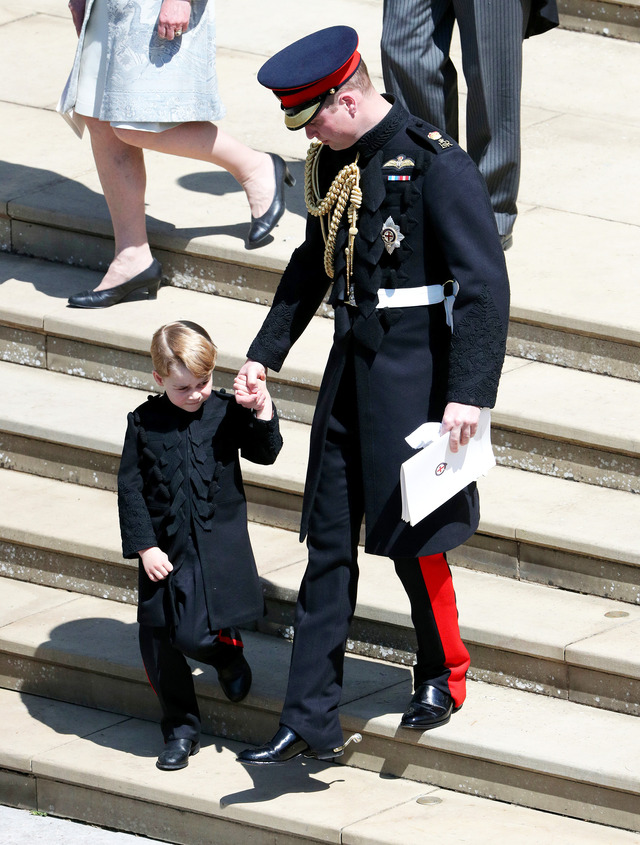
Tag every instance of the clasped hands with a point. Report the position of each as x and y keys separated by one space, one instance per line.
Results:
x=461 y=421
x=250 y=387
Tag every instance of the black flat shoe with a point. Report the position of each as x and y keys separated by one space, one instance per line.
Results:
x=176 y=754
x=149 y=279
x=429 y=708
x=262 y=226
x=284 y=746
x=235 y=680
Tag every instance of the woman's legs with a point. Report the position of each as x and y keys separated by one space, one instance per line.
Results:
x=123 y=178
x=206 y=142
x=119 y=159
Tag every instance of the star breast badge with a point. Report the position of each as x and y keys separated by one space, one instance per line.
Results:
x=391 y=235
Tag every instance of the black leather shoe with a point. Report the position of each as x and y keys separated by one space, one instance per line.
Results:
x=149 y=279
x=235 y=680
x=429 y=708
x=262 y=226
x=285 y=745
x=176 y=754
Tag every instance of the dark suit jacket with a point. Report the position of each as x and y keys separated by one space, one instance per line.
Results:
x=543 y=17
x=180 y=488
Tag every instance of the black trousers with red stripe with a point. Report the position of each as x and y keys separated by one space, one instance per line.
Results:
x=164 y=651
x=170 y=675
x=327 y=597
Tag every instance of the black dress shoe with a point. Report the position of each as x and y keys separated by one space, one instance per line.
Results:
x=176 y=754
x=429 y=708
x=262 y=226
x=149 y=279
x=285 y=745
x=235 y=680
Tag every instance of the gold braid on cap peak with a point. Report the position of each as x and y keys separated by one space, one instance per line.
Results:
x=344 y=188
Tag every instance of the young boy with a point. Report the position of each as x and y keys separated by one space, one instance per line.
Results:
x=183 y=514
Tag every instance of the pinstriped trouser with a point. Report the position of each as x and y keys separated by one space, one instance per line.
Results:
x=416 y=38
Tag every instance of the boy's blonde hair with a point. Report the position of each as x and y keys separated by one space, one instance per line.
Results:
x=186 y=343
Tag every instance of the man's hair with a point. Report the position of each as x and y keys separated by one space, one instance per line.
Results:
x=359 y=81
x=186 y=343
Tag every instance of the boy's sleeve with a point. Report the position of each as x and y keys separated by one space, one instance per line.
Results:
x=136 y=529
x=261 y=440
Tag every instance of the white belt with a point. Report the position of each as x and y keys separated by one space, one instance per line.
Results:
x=424 y=295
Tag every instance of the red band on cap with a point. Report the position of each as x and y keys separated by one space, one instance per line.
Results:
x=322 y=86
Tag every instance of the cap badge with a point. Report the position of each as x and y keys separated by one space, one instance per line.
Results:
x=391 y=235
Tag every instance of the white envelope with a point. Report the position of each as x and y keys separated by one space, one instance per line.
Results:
x=435 y=474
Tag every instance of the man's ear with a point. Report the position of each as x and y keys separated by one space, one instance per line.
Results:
x=158 y=378
x=347 y=99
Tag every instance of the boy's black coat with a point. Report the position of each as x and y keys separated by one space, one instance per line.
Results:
x=180 y=478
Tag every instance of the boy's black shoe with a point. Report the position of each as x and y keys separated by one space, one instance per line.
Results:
x=235 y=679
x=176 y=754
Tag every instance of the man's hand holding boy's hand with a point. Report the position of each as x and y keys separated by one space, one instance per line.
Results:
x=251 y=390
x=156 y=564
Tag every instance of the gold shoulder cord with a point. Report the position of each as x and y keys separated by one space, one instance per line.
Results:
x=344 y=188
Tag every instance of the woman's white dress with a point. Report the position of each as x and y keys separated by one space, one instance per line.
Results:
x=123 y=73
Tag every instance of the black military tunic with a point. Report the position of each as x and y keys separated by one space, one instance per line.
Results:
x=407 y=362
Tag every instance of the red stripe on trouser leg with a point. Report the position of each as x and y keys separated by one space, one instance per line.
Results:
x=224 y=636
x=437 y=579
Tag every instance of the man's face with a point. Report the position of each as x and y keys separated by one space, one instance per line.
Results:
x=333 y=125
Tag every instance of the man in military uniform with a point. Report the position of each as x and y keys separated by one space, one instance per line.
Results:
x=401 y=224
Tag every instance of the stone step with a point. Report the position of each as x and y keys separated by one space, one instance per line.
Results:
x=578 y=536
x=569 y=437
x=505 y=743
x=39 y=330
x=95 y=766
x=620 y=19
x=566 y=289
x=520 y=634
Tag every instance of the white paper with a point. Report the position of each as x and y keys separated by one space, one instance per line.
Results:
x=435 y=473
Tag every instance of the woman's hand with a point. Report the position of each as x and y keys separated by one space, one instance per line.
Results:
x=77 y=8
x=174 y=19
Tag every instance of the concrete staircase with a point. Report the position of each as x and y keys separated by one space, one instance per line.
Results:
x=548 y=741
x=552 y=666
